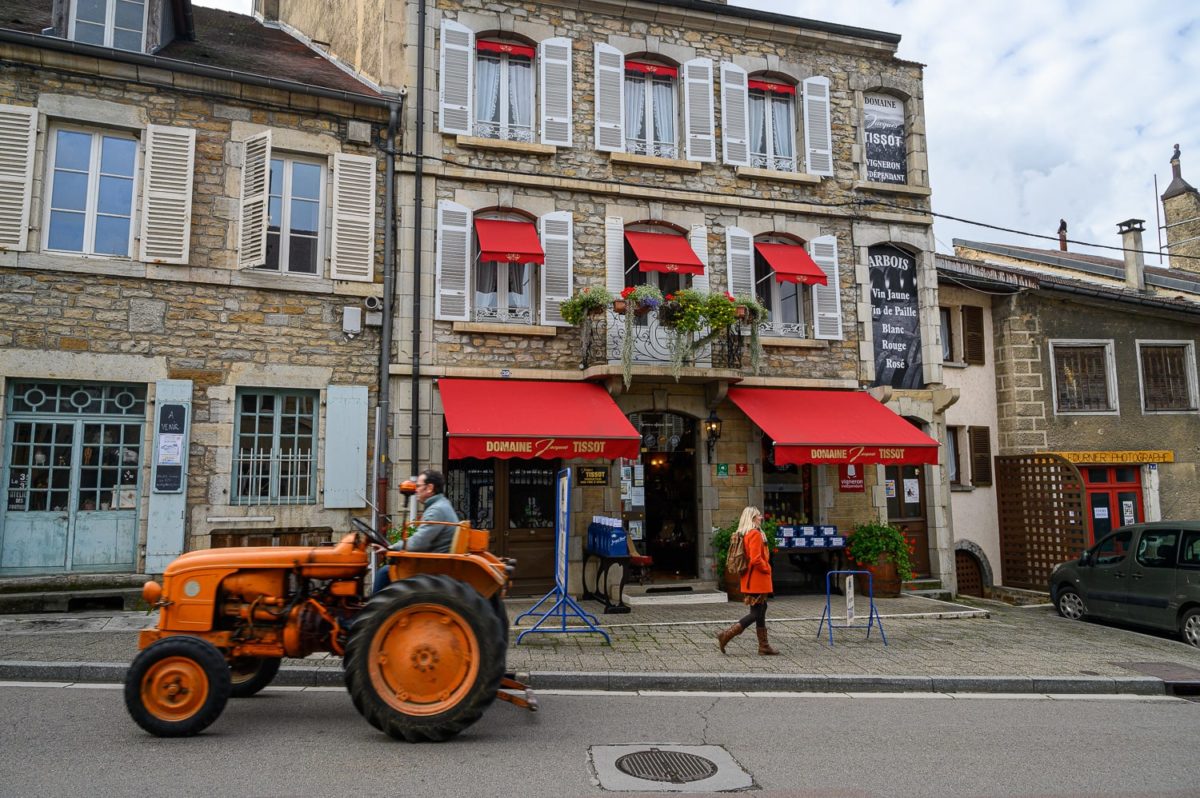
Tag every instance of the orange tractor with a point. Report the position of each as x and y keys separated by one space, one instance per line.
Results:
x=422 y=658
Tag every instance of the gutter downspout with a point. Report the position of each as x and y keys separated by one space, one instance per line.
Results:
x=418 y=223
x=383 y=398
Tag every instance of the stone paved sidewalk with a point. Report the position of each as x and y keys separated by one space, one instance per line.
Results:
x=926 y=638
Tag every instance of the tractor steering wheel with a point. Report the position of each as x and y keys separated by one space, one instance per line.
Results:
x=370 y=533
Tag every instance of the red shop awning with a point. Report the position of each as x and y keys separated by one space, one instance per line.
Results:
x=651 y=69
x=661 y=252
x=544 y=420
x=773 y=88
x=792 y=264
x=834 y=427
x=511 y=242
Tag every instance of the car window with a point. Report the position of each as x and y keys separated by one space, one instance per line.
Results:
x=1189 y=555
x=1113 y=548
x=1156 y=549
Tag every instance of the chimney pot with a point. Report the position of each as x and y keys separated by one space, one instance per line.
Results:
x=1062 y=234
x=1135 y=262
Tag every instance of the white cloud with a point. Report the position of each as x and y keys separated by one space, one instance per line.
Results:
x=1038 y=110
x=240 y=6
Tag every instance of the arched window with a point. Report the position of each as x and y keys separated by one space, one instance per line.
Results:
x=503 y=281
x=504 y=89
x=651 y=108
x=772 y=123
x=790 y=305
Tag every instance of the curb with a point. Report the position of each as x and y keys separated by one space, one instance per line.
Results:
x=301 y=676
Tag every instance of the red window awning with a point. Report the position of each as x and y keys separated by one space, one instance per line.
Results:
x=535 y=419
x=834 y=427
x=773 y=88
x=511 y=242
x=662 y=252
x=792 y=264
x=651 y=69
x=486 y=46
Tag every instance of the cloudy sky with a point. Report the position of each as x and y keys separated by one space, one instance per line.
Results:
x=1039 y=109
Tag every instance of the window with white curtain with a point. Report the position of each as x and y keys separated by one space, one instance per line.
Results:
x=503 y=290
x=785 y=300
x=651 y=114
x=772 y=126
x=504 y=91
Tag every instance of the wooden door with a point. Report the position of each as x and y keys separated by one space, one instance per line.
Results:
x=906 y=511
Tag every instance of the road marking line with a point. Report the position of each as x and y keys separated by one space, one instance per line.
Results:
x=36 y=684
x=93 y=686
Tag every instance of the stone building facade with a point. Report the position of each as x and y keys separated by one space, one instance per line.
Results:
x=181 y=249
x=590 y=123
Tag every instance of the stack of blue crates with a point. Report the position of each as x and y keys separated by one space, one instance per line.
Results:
x=607 y=538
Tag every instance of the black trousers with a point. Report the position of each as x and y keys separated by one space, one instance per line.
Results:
x=756 y=616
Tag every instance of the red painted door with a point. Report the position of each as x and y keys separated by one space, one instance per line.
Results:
x=1114 y=498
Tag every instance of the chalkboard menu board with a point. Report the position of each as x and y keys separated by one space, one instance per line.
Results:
x=895 y=318
x=170 y=444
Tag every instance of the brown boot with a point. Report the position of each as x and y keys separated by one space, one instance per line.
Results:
x=764 y=645
x=725 y=636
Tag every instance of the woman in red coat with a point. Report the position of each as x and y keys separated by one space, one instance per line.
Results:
x=756 y=582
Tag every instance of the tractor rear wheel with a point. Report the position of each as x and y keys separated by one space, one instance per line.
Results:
x=248 y=675
x=425 y=658
x=177 y=686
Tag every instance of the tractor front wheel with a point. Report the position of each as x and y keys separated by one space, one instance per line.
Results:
x=177 y=686
x=425 y=658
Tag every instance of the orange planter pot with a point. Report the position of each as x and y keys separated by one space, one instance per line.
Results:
x=885 y=578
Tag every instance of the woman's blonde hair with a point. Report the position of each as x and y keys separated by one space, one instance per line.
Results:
x=749 y=520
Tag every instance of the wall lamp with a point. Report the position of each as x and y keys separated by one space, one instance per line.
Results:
x=712 y=428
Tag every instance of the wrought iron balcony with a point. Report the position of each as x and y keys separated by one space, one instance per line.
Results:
x=653 y=343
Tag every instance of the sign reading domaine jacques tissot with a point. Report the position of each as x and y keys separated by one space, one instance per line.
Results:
x=894 y=316
x=883 y=135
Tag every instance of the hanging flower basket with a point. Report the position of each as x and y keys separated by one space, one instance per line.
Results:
x=619 y=306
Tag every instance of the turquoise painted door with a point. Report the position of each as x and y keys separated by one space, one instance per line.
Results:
x=73 y=483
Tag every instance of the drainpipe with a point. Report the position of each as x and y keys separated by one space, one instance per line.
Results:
x=418 y=223
x=383 y=397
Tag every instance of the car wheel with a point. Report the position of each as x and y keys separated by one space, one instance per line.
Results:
x=1070 y=604
x=1189 y=627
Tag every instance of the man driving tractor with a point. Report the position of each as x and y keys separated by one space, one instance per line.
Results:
x=436 y=532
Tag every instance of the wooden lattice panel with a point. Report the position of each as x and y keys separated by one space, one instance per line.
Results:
x=1041 y=505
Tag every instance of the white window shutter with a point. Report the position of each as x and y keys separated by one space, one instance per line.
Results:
x=826 y=299
x=818 y=136
x=614 y=254
x=453 y=262
x=346 y=446
x=18 y=129
x=699 y=127
x=557 y=231
x=456 y=86
x=610 y=98
x=256 y=184
x=698 y=239
x=167 y=194
x=739 y=261
x=554 y=61
x=353 y=246
x=735 y=115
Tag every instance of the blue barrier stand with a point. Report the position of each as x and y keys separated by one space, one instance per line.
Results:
x=872 y=616
x=564 y=606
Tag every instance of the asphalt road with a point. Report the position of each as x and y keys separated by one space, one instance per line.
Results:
x=67 y=741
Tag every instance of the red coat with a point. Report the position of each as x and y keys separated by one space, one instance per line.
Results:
x=757 y=578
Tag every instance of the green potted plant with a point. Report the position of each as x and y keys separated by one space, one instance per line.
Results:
x=883 y=550
x=721 y=538
x=586 y=300
x=636 y=300
x=689 y=313
x=752 y=313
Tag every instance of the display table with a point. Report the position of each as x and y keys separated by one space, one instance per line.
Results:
x=807 y=553
x=600 y=593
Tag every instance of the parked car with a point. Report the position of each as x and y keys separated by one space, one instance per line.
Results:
x=1147 y=574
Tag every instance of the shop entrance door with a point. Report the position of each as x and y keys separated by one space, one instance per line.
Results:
x=1114 y=498
x=669 y=513
x=72 y=467
x=514 y=501
x=906 y=511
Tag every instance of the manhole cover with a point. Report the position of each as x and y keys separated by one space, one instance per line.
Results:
x=676 y=767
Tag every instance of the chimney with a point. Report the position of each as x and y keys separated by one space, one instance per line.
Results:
x=1062 y=234
x=1135 y=262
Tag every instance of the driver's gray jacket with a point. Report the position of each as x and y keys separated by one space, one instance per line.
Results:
x=432 y=537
